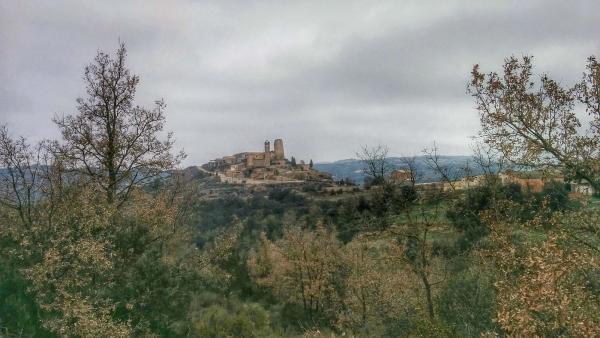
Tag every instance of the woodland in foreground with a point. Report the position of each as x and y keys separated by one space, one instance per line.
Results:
x=101 y=236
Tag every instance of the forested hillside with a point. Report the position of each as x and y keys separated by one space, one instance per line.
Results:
x=90 y=247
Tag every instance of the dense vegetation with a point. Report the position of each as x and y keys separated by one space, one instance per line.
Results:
x=100 y=236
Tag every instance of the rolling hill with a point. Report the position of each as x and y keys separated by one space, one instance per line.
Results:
x=352 y=168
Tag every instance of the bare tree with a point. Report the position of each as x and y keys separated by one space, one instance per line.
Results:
x=534 y=123
x=448 y=174
x=18 y=176
x=489 y=161
x=111 y=140
x=422 y=213
x=410 y=162
x=29 y=174
x=376 y=163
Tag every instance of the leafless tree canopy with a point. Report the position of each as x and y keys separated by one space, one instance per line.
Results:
x=447 y=174
x=410 y=163
x=376 y=164
x=534 y=123
x=19 y=178
x=29 y=174
x=110 y=139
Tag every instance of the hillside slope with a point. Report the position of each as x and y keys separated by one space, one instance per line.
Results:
x=352 y=168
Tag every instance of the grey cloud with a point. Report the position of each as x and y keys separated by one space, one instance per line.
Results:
x=326 y=76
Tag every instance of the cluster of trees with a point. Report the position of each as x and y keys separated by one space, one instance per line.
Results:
x=101 y=236
x=86 y=251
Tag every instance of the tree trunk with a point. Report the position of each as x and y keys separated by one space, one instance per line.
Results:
x=428 y=295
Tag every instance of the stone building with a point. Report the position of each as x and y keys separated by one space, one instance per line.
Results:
x=533 y=181
x=401 y=176
x=268 y=166
x=582 y=187
x=265 y=158
x=240 y=162
x=278 y=149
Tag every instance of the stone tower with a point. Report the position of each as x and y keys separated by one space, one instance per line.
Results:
x=267 y=153
x=279 y=154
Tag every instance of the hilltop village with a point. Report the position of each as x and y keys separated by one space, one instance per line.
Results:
x=264 y=167
x=271 y=167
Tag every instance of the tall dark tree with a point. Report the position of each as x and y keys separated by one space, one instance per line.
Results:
x=110 y=139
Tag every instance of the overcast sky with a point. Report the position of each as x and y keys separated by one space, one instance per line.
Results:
x=326 y=76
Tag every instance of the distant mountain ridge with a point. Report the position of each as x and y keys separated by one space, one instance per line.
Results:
x=353 y=168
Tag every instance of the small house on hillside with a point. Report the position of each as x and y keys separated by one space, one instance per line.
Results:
x=401 y=175
x=583 y=187
x=532 y=181
x=469 y=182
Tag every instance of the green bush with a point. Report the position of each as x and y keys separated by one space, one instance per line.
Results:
x=19 y=313
x=243 y=321
x=464 y=214
x=466 y=303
